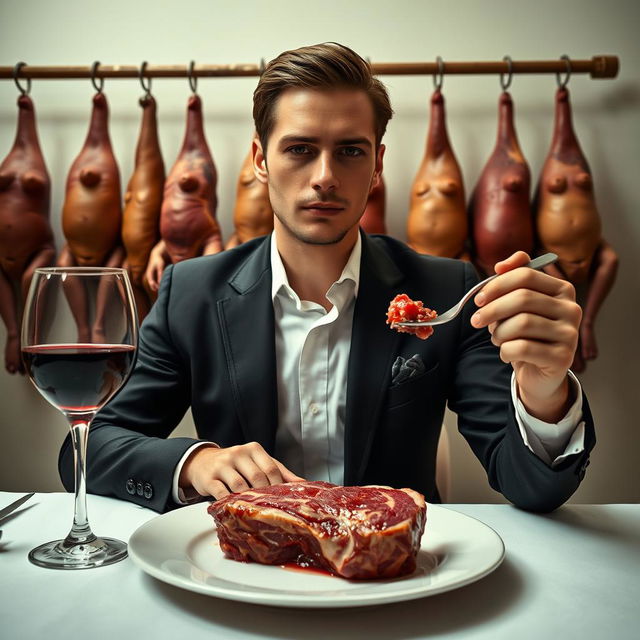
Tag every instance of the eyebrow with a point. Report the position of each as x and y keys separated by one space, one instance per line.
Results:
x=292 y=139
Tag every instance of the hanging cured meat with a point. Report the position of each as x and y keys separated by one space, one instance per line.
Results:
x=568 y=224
x=500 y=211
x=188 y=222
x=26 y=239
x=143 y=200
x=372 y=220
x=437 y=222
x=92 y=211
x=252 y=216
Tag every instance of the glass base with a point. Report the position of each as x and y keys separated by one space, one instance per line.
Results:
x=60 y=554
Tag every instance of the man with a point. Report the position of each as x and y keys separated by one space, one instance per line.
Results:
x=281 y=349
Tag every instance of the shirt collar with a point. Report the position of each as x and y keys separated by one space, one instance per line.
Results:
x=350 y=274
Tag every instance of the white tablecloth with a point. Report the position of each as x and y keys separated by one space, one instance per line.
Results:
x=572 y=574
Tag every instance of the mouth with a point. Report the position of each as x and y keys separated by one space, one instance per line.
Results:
x=323 y=208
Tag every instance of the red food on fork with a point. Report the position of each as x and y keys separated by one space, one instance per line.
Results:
x=403 y=309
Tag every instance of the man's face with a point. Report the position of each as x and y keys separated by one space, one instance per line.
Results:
x=321 y=163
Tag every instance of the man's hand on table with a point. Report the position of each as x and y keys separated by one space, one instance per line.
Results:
x=534 y=319
x=214 y=471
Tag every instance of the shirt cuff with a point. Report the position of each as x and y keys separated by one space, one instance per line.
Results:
x=179 y=496
x=552 y=443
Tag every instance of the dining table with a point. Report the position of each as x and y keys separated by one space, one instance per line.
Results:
x=572 y=573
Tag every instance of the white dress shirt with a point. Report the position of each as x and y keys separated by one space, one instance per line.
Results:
x=312 y=355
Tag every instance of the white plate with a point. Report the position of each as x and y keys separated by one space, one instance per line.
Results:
x=181 y=548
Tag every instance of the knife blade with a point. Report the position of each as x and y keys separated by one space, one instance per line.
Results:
x=14 y=505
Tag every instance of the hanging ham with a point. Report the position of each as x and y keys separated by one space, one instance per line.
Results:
x=188 y=225
x=252 y=215
x=437 y=222
x=372 y=220
x=568 y=223
x=92 y=211
x=499 y=210
x=143 y=200
x=26 y=239
x=92 y=217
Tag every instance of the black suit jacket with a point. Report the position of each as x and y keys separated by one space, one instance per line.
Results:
x=209 y=343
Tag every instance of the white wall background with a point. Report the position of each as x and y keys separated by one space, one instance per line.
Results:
x=606 y=114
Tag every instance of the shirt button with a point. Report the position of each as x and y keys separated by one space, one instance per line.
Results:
x=130 y=486
x=314 y=408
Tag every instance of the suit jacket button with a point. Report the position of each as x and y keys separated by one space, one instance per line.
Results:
x=148 y=491
x=130 y=486
x=139 y=488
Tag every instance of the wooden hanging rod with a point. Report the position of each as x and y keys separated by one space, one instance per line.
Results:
x=598 y=67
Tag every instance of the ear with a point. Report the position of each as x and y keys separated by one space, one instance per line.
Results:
x=259 y=161
x=377 y=173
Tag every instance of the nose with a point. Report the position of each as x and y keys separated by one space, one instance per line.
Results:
x=324 y=176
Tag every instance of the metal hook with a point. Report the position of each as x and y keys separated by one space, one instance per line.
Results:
x=507 y=84
x=94 y=71
x=438 y=76
x=193 y=81
x=563 y=83
x=16 y=73
x=147 y=86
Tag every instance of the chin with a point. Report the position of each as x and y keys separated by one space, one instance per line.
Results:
x=317 y=232
x=323 y=237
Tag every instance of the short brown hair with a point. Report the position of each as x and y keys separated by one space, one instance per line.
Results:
x=323 y=66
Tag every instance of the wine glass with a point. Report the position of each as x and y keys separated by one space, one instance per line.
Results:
x=79 y=342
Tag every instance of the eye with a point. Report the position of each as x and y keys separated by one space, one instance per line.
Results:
x=351 y=152
x=298 y=150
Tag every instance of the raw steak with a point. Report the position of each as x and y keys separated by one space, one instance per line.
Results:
x=353 y=532
x=403 y=309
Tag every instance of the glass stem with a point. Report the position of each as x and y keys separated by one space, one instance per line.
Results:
x=81 y=531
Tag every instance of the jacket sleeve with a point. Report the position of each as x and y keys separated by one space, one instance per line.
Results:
x=129 y=454
x=480 y=396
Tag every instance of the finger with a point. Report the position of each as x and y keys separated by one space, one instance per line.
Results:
x=525 y=278
x=534 y=327
x=253 y=473
x=288 y=475
x=554 y=356
x=268 y=466
x=233 y=480
x=214 y=488
x=517 y=259
x=151 y=280
x=530 y=302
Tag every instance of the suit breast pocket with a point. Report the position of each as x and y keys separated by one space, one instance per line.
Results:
x=420 y=386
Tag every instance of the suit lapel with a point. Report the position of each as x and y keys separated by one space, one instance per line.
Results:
x=247 y=324
x=373 y=348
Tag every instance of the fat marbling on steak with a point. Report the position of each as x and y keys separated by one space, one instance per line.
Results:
x=353 y=532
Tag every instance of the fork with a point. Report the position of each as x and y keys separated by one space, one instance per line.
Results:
x=12 y=507
x=537 y=263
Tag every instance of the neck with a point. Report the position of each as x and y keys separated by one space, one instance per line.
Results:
x=312 y=269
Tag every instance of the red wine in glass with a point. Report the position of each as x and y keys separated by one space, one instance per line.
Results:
x=78 y=378
x=79 y=341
